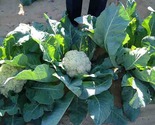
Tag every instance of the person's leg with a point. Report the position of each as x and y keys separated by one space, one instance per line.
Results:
x=96 y=7
x=74 y=8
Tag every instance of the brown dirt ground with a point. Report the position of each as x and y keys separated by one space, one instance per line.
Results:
x=9 y=19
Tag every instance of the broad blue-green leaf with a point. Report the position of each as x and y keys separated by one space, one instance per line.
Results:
x=42 y=73
x=72 y=85
x=100 y=107
x=20 y=60
x=11 y=107
x=130 y=112
x=153 y=86
x=13 y=120
x=106 y=64
x=117 y=117
x=141 y=96
x=70 y=33
x=99 y=82
x=147 y=75
x=149 y=42
x=1 y=102
x=46 y=93
x=60 y=108
x=149 y=24
x=138 y=56
x=152 y=60
x=39 y=26
x=54 y=48
x=77 y=111
x=32 y=111
x=91 y=88
x=33 y=60
x=22 y=40
x=79 y=39
x=27 y=47
x=85 y=44
x=110 y=30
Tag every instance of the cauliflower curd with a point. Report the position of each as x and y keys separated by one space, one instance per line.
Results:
x=6 y=72
x=76 y=63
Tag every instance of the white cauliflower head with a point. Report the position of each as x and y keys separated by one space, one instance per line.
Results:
x=6 y=73
x=76 y=63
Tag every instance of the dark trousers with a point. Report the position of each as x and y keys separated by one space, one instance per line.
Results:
x=74 y=8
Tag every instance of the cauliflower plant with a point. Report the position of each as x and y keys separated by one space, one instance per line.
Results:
x=76 y=63
x=6 y=83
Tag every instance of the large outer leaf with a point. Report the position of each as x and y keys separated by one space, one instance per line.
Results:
x=77 y=111
x=139 y=56
x=149 y=41
x=91 y=88
x=59 y=110
x=149 y=24
x=117 y=117
x=20 y=60
x=100 y=83
x=72 y=85
x=109 y=32
x=141 y=96
x=42 y=73
x=147 y=75
x=22 y=40
x=45 y=93
x=130 y=112
x=79 y=39
x=106 y=64
x=53 y=48
x=71 y=34
x=10 y=107
x=14 y=120
x=100 y=107
x=32 y=111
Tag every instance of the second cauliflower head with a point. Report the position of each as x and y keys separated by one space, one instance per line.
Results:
x=76 y=63
x=7 y=71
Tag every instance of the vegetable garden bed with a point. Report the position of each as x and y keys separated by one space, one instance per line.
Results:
x=37 y=86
